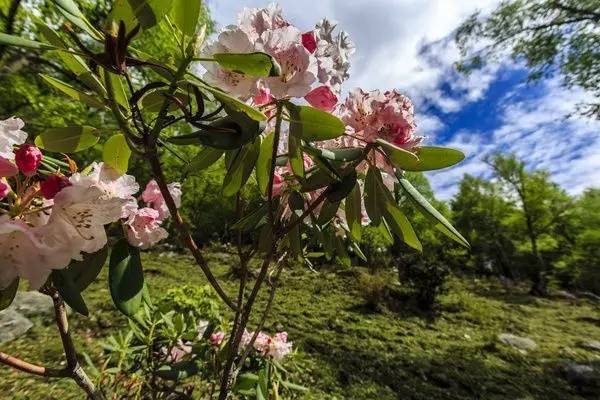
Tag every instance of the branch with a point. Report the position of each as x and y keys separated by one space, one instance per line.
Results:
x=182 y=228
x=305 y=214
x=33 y=369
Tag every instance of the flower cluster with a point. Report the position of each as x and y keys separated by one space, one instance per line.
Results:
x=315 y=57
x=275 y=347
x=48 y=219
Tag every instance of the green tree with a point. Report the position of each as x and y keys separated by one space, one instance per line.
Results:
x=543 y=209
x=550 y=36
x=481 y=212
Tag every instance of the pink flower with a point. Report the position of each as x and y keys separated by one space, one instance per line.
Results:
x=143 y=228
x=7 y=167
x=373 y=115
x=11 y=135
x=263 y=97
x=279 y=347
x=333 y=54
x=179 y=351
x=322 y=98
x=153 y=197
x=4 y=188
x=52 y=185
x=216 y=338
x=278 y=183
x=255 y=21
x=309 y=41
x=28 y=159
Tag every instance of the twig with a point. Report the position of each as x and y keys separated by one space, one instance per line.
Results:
x=33 y=369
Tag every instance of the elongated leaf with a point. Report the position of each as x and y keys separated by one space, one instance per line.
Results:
x=70 y=10
x=430 y=212
x=116 y=153
x=263 y=164
x=253 y=220
x=312 y=124
x=344 y=154
x=401 y=226
x=69 y=291
x=296 y=156
x=230 y=101
x=245 y=381
x=340 y=189
x=83 y=273
x=399 y=157
x=252 y=64
x=69 y=139
x=7 y=295
x=126 y=277
x=147 y=13
x=185 y=15
x=18 y=41
x=328 y=211
x=178 y=371
x=317 y=179
x=372 y=195
x=354 y=213
x=241 y=168
x=204 y=159
x=432 y=158
x=73 y=92
x=118 y=84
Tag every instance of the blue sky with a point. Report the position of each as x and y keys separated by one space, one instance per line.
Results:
x=407 y=44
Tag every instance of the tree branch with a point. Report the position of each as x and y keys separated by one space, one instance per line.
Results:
x=33 y=369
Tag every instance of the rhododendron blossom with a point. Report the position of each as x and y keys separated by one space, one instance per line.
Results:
x=52 y=185
x=154 y=198
x=4 y=188
x=216 y=338
x=276 y=347
x=11 y=135
x=7 y=168
x=305 y=58
x=143 y=228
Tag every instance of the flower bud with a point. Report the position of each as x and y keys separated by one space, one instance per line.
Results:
x=216 y=338
x=309 y=41
x=52 y=185
x=28 y=158
x=4 y=188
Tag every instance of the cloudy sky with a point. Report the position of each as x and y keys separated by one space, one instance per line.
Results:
x=407 y=44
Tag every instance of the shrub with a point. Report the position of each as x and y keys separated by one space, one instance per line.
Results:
x=373 y=288
x=198 y=302
x=427 y=278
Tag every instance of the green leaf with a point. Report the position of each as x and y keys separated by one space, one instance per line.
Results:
x=343 y=154
x=328 y=211
x=262 y=387
x=7 y=295
x=178 y=371
x=401 y=226
x=69 y=291
x=295 y=155
x=230 y=101
x=230 y=133
x=263 y=164
x=293 y=386
x=73 y=92
x=372 y=195
x=185 y=15
x=399 y=157
x=69 y=139
x=354 y=213
x=17 y=41
x=316 y=179
x=252 y=64
x=338 y=190
x=69 y=9
x=118 y=85
x=83 y=273
x=312 y=124
x=245 y=381
x=204 y=159
x=147 y=13
x=116 y=153
x=430 y=212
x=252 y=220
x=241 y=168
x=431 y=158
x=126 y=277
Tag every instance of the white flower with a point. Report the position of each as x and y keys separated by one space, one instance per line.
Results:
x=23 y=254
x=333 y=54
x=11 y=135
x=298 y=66
x=255 y=21
x=230 y=40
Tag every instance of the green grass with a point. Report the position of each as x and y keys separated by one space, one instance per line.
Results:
x=348 y=351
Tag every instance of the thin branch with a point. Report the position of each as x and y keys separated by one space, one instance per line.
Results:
x=182 y=228
x=33 y=369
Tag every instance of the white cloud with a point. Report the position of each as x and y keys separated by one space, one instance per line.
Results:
x=537 y=131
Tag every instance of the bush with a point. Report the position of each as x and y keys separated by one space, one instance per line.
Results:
x=373 y=288
x=427 y=278
x=375 y=244
x=197 y=302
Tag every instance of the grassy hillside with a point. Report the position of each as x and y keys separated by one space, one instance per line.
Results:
x=349 y=351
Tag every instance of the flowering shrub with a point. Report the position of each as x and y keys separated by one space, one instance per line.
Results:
x=323 y=171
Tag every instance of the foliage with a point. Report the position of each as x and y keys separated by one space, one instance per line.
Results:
x=374 y=289
x=427 y=277
x=550 y=36
x=197 y=302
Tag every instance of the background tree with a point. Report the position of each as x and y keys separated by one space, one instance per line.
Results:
x=543 y=207
x=481 y=212
x=550 y=36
